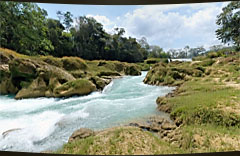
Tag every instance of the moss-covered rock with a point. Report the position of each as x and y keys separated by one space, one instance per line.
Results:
x=37 y=88
x=30 y=77
x=23 y=68
x=52 y=61
x=173 y=73
x=75 y=87
x=100 y=82
x=73 y=63
x=132 y=70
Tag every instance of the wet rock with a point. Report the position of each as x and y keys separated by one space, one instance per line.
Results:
x=100 y=82
x=80 y=134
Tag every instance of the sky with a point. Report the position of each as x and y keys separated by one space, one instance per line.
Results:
x=168 y=26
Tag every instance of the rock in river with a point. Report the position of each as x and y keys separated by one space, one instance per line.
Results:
x=80 y=134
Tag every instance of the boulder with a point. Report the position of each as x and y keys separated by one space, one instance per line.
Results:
x=37 y=88
x=75 y=87
x=132 y=70
x=99 y=82
x=153 y=124
x=81 y=134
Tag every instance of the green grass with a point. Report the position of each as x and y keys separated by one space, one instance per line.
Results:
x=198 y=103
x=120 y=140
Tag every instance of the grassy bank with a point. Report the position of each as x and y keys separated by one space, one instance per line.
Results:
x=120 y=140
x=207 y=107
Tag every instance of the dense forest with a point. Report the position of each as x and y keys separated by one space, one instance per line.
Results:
x=26 y=29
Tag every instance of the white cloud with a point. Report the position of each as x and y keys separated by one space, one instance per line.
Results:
x=174 y=26
x=169 y=26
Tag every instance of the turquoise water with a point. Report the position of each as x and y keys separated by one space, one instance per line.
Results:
x=47 y=123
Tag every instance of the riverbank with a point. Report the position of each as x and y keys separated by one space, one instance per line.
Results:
x=205 y=105
x=204 y=108
x=47 y=76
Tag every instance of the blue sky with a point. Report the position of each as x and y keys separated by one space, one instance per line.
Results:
x=169 y=26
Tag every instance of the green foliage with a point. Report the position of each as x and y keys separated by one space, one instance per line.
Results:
x=157 y=52
x=23 y=28
x=229 y=21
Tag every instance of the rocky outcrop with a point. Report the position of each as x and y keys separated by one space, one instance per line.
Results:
x=75 y=87
x=132 y=70
x=162 y=128
x=35 y=78
x=6 y=85
x=100 y=82
x=172 y=74
x=81 y=134
x=47 y=76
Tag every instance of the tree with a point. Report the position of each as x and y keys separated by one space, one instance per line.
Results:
x=23 y=28
x=67 y=19
x=193 y=52
x=145 y=48
x=89 y=38
x=229 y=24
x=62 y=41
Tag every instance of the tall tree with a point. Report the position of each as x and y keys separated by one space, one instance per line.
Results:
x=229 y=24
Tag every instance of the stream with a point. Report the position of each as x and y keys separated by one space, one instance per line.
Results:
x=46 y=123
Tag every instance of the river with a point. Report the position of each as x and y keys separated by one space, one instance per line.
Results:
x=46 y=123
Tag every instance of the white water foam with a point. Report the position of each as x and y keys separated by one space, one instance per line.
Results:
x=108 y=87
x=32 y=128
x=10 y=104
